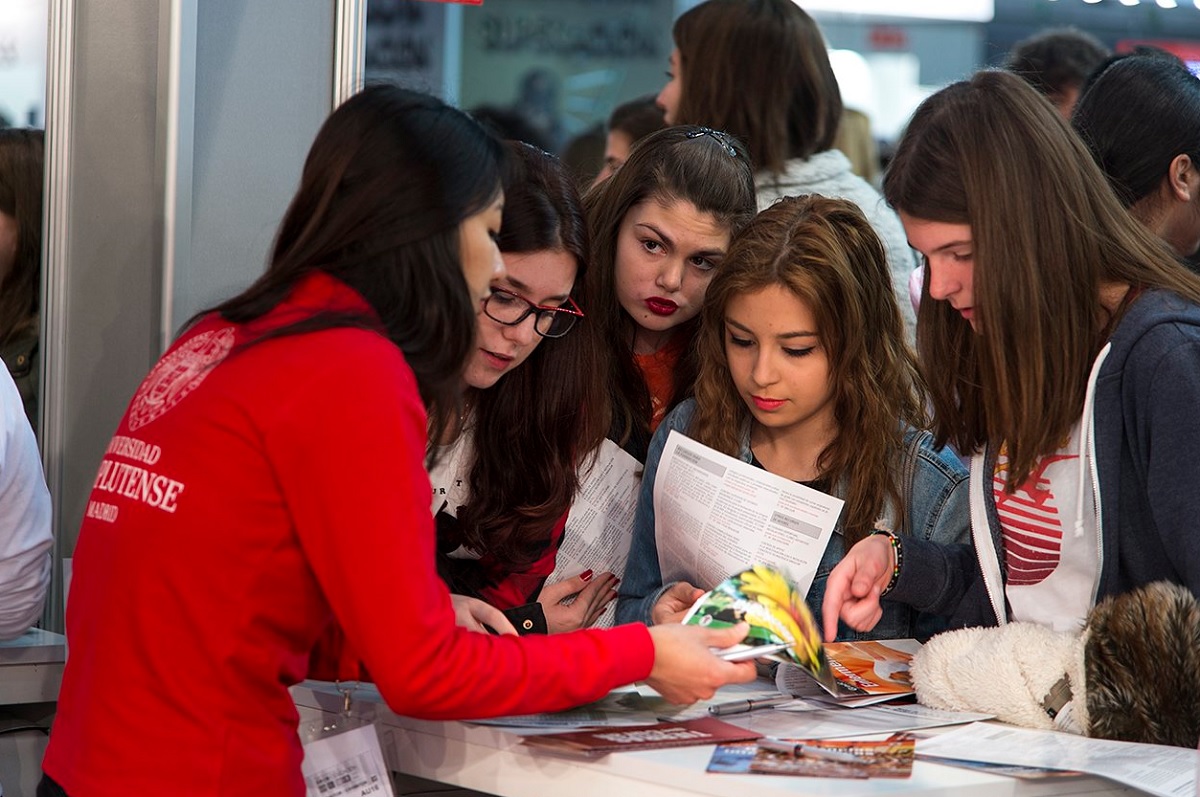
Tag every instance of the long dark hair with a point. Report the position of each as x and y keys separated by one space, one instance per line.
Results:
x=684 y=162
x=389 y=178
x=1047 y=233
x=535 y=428
x=21 y=162
x=1137 y=116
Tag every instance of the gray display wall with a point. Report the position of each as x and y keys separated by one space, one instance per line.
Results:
x=176 y=133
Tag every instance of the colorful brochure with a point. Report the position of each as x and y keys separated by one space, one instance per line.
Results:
x=860 y=673
x=774 y=607
x=824 y=758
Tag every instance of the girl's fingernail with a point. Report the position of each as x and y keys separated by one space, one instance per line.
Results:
x=586 y=575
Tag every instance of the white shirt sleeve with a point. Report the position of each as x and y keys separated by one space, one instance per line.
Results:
x=25 y=530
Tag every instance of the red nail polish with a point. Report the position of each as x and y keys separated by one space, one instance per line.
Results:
x=586 y=575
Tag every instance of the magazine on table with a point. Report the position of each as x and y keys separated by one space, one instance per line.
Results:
x=818 y=758
x=859 y=673
x=646 y=737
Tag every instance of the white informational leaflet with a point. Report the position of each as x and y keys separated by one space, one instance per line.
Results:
x=799 y=722
x=1155 y=769
x=600 y=525
x=716 y=515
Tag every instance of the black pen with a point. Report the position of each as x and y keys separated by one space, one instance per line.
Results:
x=750 y=704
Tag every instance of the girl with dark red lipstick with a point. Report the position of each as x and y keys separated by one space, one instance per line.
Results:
x=804 y=371
x=660 y=227
x=535 y=408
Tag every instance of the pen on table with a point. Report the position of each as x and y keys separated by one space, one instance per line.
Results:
x=750 y=704
x=798 y=749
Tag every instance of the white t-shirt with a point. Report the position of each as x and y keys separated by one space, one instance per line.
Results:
x=1051 y=527
x=449 y=481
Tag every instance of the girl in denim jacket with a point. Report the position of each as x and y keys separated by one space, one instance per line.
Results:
x=804 y=372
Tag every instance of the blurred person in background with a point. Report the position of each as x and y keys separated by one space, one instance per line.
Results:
x=1057 y=62
x=21 y=165
x=583 y=155
x=1140 y=117
x=760 y=70
x=627 y=124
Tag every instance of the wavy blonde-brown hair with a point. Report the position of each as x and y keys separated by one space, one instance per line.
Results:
x=826 y=253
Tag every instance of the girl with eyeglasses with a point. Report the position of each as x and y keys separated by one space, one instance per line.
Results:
x=535 y=410
x=804 y=372
x=659 y=230
x=267 y=483
x=760 y=70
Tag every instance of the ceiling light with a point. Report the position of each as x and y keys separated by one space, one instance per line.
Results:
x=1166 y=3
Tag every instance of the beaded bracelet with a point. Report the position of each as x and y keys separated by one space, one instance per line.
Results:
x=897 y=555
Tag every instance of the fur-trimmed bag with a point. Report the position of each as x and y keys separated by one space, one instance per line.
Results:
x=1132 y=674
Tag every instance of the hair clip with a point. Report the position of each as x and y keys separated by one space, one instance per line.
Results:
x=718 y=136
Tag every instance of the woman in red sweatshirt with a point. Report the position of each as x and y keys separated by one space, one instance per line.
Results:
x=267 y=481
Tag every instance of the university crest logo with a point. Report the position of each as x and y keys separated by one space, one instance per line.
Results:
x=178 y=374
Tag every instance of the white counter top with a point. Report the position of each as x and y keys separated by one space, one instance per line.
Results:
x=491 y=760
x=31 y=667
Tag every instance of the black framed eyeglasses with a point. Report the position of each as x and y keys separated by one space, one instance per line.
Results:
x=510 y=309
x=717 y=135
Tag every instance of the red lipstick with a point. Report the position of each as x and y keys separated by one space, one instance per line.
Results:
x=660 y=306
x=767 y=404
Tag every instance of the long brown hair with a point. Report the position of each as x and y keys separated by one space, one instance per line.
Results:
x=535 y=428
x=21 y=163
x=825 y=252
x=1047 y=234
x=390 y=176
x=759 y=69
x=706 y=168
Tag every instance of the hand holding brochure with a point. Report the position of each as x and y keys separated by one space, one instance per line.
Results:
x=853 y=673
x=775 y=609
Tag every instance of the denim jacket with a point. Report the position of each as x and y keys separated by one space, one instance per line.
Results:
x=937 y=511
